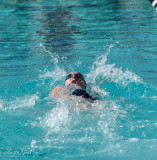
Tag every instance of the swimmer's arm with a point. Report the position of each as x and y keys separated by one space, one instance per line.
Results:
x=56 y=91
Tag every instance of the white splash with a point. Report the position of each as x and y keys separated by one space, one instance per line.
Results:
x=134 y=139
x=54 y=57
x=57 y=120
x=26 y=101
x=58 y=73
x=102 y=72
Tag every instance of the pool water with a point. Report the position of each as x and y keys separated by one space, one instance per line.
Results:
x=113 y=44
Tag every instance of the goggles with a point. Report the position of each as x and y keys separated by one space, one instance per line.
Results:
x=78 y=76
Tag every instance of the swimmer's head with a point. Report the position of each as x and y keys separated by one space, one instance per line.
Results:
x=75 y=78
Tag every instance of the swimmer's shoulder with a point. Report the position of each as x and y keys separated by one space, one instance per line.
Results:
x=56 y=92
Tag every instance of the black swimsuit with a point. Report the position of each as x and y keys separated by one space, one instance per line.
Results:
x=84 y=94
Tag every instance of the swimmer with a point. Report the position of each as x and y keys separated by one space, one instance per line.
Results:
x=75 y=85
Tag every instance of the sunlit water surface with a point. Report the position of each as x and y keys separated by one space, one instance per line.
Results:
x=113 y=44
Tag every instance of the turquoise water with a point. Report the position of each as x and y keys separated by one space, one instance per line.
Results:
x=113 y=44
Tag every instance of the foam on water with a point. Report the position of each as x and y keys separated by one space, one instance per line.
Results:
x=102 y=72
x=104 y=128
x=50 y=39
x=22 y=102
x=89 y=129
